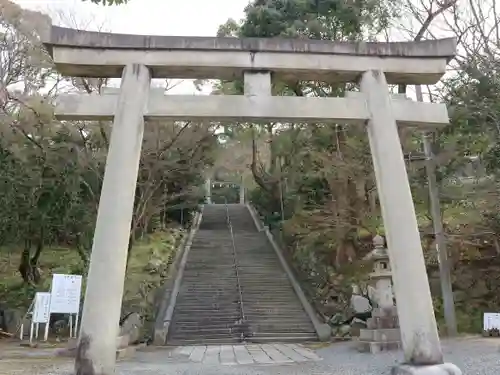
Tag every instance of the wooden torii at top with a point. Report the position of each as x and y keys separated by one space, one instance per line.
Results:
x=137 y=59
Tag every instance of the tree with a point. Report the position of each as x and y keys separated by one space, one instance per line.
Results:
x=319 y=174
x=51 y=171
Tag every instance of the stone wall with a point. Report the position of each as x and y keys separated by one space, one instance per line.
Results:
x=476 y=285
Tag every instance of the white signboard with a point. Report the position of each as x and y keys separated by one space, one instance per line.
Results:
x=491 y=320
x=41 y=310
x=65 y=294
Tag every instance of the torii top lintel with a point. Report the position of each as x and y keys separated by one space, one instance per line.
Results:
x=96 y=54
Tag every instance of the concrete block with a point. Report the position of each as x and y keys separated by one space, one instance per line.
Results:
x=122 y=341
x=382 y=322
x=441 y=369
x=324 y=332
x=375 y=347
x=385 y=312
x=126 y=353
x=388 y=334
x=371 y=323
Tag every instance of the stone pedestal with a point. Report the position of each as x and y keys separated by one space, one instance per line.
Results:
x=440 y=369
x=382 y=331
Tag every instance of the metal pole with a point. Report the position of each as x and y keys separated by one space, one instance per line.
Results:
x=440 y=240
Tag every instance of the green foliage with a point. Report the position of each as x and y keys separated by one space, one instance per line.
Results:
x=140 y=284
x=51 y=171
x=321 y=19
x=147 y=270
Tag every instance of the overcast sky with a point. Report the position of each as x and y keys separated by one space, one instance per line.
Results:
x=160 y=17
x=151 y=17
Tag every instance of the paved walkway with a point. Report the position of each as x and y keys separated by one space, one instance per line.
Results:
x=232 y=355
x=475 y=356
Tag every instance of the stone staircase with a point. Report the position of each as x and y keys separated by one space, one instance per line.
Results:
x=208 y=308
x=272 y=309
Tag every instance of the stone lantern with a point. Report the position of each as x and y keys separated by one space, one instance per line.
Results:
x=382 y=329
x=381 y=276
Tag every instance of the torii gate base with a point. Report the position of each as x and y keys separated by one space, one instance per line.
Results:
x=138 y=58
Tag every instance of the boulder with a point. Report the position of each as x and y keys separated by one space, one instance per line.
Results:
x=154 y=265
x=337 y=319
x=131 y=326
x=360 y=304
x=10 y=320
x=356 y=326
x=344 y=331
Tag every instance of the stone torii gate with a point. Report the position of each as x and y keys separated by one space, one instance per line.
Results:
x=208 y=189
x=137 y=59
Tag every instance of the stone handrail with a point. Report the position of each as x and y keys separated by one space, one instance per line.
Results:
x=168 y=300
x=323 y=330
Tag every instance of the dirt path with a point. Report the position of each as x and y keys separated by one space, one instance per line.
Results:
x=31 y=366
x=16 y=359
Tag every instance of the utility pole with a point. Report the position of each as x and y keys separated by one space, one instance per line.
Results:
x=440 y=240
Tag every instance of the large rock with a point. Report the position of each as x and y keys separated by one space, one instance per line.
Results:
x=155 y=265
x=356 y=326
x=10 y=319
x=344 y=330
x=131 y=326
x=360 y=304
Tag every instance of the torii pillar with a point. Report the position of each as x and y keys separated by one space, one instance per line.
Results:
x=242 y=191
x=419 y=334
x=100 y=326
x=208 y=191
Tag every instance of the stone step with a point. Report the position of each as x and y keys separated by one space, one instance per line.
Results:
x=197 y=306
x=220 y=336
x=269 y=328
x=207 y=330
x=203 y=341
x=216 y=311
x=269 y=309
x=201 y=320
x=282 y=338
x=299 y=317
x=260 y=295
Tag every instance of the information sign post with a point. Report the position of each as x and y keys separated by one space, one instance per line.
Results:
x=41 y=314
x=65 y=295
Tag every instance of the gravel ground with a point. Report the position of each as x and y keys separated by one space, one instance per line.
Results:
x=475 y=356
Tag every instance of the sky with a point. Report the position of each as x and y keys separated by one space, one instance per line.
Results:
x=148 y=17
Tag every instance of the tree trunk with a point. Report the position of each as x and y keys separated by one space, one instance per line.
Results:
x=129 y=251
x=28 y=266
x=80 y=248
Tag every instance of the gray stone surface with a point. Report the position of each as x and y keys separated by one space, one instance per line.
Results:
x=131 y=326
x=474 y=356
x=360 y=304
x=92 y=54
x=427 y=48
